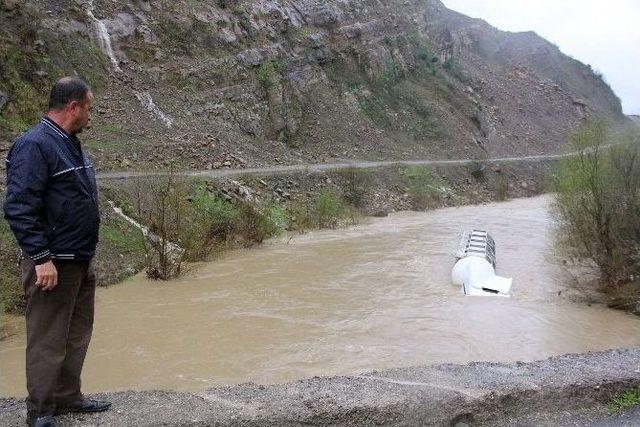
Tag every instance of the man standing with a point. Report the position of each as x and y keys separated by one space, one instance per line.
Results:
x=52 y=208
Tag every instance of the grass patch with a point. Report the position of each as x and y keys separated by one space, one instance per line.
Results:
x=107 y=145
x=269 y=74
x=626 y=400
x=423 y=186
x=112 y=128
x=454 y=69
x=327 y=209
x=124 y=238
x=501 y=187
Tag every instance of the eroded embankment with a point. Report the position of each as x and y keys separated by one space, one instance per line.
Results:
x=477 y=393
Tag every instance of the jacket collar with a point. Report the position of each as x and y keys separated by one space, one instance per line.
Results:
x=58 y=130
x=55 y=127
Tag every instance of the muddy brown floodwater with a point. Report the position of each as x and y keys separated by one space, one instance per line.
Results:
x=340 y=302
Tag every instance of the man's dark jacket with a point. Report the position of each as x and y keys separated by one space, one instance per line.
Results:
x=52 y=199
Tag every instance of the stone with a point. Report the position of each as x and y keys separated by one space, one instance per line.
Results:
x=145 y=5
x=122 y=26
x=382 y=212
x=4 y=99
x=40 y=73
x=10 y=5
x=352 y=31
x=250 y=57
x=319 y=12
x=227 y=36
x=147 y=35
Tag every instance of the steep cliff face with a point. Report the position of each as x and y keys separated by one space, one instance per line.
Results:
x=228 y=83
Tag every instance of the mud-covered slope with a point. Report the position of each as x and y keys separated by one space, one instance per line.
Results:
x=226 y=83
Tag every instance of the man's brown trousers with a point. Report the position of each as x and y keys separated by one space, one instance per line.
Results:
x=59 y=326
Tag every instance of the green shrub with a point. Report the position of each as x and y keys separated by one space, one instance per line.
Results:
x=217 y=215
x=501 y=187
x=388 y=80
x=454 y=69
x=423 y=53
x=268 y=74
x=356 y=186
x=327 y=208
x=276 y=219
x=301 y=217
x=255 y=224
x=477 y=169
x=424 y=187
x=598 y=201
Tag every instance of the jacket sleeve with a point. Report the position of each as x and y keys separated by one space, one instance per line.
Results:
x=27 y=178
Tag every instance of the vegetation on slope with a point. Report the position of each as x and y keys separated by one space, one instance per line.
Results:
x=598 y=204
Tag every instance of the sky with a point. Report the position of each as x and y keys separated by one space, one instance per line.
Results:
x=604 y=34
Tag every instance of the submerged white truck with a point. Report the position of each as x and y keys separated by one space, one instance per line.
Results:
x=475 y=266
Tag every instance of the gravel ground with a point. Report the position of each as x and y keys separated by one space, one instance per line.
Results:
x=573 y=388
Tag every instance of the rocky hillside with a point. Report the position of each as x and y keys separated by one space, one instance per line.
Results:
x=231 y=83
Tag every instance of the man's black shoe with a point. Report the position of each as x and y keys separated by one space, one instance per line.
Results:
x=85 y=405
x=44 y=421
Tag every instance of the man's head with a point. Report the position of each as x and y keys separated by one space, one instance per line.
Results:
x=70 y=104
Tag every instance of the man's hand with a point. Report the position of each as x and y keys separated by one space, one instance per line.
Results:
x=46 y=276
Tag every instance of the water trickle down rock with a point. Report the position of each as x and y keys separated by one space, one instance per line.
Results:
x=146 y=100
x=104 y=40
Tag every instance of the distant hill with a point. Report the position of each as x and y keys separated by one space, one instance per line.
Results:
x=230 y=83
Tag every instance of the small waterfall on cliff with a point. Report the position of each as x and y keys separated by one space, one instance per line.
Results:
x=146 y=100
x=103 y=36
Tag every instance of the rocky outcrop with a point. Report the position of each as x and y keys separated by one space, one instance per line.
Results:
x=301 y=80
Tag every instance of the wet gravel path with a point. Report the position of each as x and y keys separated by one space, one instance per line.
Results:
x=477 y=394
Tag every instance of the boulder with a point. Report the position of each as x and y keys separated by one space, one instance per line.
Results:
x=250 y=58
x=10 y=5
x=318 y=12
x=122 y=26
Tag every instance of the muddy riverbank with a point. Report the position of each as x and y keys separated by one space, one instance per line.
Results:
x=478 y=394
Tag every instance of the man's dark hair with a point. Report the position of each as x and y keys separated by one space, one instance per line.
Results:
x=66 y=90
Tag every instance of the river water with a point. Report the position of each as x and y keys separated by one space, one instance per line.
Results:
x=369 y=297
